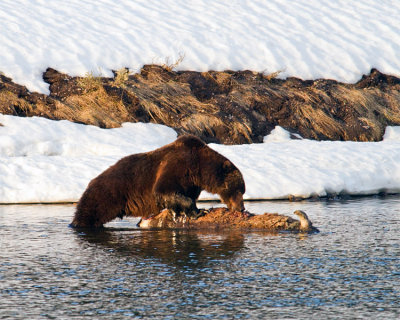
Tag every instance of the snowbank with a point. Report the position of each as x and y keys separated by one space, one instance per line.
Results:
x=52 y=161
x=27 y=137
x=304 y=38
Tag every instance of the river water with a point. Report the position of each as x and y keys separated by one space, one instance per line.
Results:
x=351 y=269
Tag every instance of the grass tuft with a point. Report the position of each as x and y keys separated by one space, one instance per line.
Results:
x=170 y=66
x=271 y=75
x=90 y=82
x=121 y=76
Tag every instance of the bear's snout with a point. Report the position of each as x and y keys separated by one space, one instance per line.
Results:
x=236 y=203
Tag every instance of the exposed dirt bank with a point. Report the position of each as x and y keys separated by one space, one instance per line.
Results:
x=228 y=107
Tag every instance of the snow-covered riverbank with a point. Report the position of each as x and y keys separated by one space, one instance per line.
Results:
x=48 y=161
x=53 y=161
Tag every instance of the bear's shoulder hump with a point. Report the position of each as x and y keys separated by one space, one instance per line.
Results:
x=190 y=141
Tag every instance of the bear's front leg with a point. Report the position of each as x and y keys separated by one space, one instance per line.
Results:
x=180 y=204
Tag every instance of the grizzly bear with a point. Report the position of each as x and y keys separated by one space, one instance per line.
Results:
x=171 y=177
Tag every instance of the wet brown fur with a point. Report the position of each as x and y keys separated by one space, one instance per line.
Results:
x=172 y=176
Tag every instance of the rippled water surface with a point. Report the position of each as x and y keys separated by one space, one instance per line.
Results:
x=351 y=269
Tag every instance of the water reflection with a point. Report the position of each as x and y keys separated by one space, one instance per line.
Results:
x=176 y=247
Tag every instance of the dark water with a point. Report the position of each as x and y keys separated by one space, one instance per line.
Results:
x=351 y=269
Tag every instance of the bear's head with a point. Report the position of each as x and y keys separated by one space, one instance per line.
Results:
x=233 y=186
x=220 y=176
x=215 y=173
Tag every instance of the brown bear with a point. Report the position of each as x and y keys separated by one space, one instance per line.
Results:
x=141 y=185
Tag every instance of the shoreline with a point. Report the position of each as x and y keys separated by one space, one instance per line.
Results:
x=344 y=197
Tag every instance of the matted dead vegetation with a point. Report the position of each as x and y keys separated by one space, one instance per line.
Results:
x=227 y=107
x=222 y=218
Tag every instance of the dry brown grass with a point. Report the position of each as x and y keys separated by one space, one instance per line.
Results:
x=171 y=65
x=121 y=77
x=271 y=75
x=374 y=108
x=228 y=106
x=318 y=120
x=14 y=104
x=94 y=105
x=173 y=103
x=96 y=108
x=90 y=82
x=164 y=99
x=206 y=124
